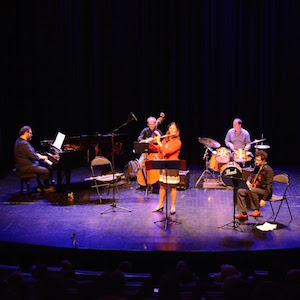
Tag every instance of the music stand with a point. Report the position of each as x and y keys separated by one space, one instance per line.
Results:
x=236 y=183
x=166 y=165
x=140 y=148
x=113 y=205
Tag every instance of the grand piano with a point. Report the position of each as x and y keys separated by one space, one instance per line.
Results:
x=78 y=151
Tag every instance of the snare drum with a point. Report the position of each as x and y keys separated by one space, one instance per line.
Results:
x=240 y=155
x=223 y=155
x=231 y=169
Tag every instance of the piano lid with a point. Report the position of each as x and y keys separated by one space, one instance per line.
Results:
x=100 y=135
x=86 y=141
x=91 y=140
x=95 y=137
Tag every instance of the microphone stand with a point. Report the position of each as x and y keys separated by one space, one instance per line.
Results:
x=113 y=205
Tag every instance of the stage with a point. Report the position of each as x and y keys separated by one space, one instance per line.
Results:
x=49 y=227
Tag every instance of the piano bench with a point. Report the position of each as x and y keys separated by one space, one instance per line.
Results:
x=25 y=177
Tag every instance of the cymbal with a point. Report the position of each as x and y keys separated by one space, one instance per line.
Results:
x=209 y=142
x=261 y=147
x=257 y=141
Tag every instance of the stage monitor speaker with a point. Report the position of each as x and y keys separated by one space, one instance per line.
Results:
x=184 y=182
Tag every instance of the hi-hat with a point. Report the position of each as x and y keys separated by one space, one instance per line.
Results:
x=261 y=147
x=209 y=142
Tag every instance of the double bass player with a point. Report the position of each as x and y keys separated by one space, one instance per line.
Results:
x=147 y=135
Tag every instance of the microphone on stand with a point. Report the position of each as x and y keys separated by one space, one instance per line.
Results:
x=132 y=114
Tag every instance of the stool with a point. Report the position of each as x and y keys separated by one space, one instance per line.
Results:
x=25 y=177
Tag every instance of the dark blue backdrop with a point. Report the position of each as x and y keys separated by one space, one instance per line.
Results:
x=83 y=66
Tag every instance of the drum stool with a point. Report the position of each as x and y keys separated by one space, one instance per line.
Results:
x=25 y=177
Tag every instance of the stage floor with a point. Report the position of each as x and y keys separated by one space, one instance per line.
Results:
x=200 y=221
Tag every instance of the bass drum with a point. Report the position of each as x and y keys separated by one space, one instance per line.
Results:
x=231 y=169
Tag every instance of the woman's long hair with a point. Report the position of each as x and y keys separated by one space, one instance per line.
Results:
x=168 y=132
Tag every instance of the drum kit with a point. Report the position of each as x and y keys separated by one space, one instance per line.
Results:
x=220 y=159
x=209 y=144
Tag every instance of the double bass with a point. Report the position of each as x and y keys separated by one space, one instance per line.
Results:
x=144 y=177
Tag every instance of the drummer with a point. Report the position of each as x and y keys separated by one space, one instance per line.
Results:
x=238 y=137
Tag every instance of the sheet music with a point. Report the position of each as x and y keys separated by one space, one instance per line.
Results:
x=58 y=142
x=266 y=226
x=108 y=177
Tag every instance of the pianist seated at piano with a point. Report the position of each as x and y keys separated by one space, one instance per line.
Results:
x=27 y=160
